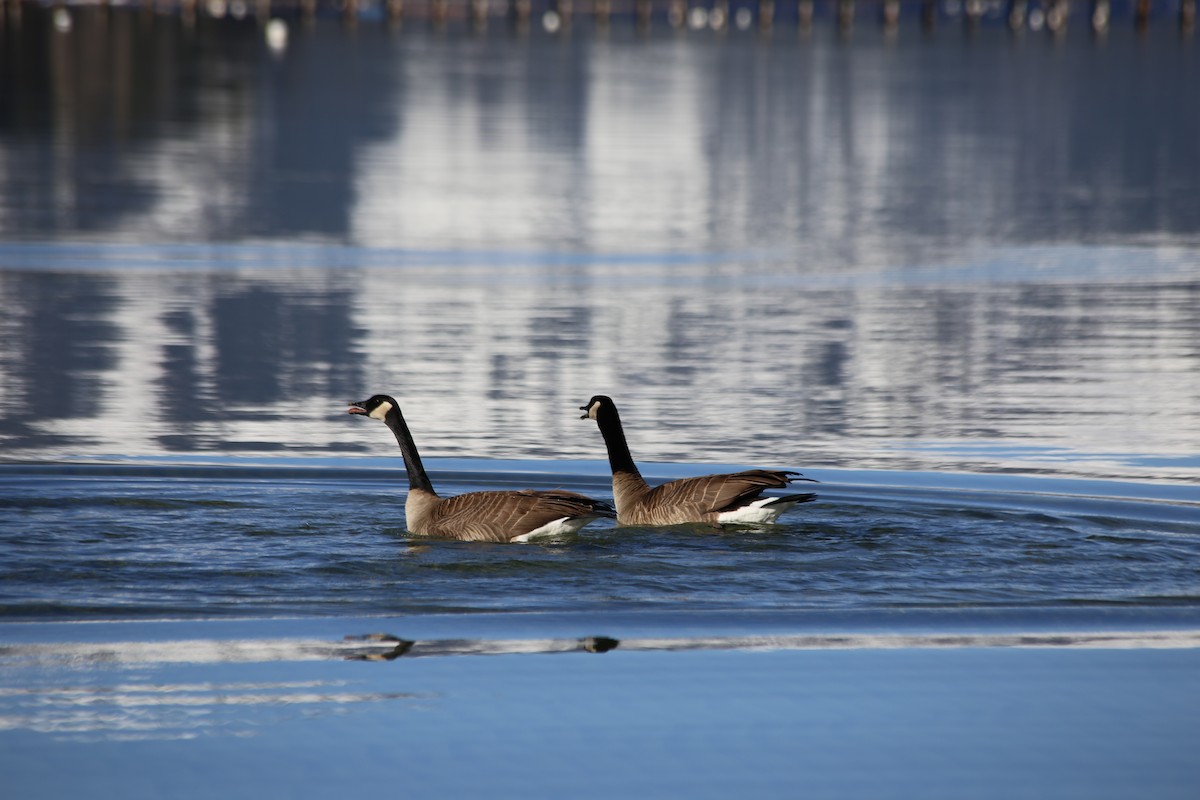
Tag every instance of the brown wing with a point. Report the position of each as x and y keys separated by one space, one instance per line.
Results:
x=692 y=498
x=502 y=516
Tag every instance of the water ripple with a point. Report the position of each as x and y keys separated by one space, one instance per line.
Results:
x=109 y=545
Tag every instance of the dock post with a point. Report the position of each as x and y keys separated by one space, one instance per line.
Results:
x=718 y=15
x=1187 y=15
x=891 y=15
x=804 y=15
x=677 y=13
x=479 y=14
x=1141 y=13
x=1018 y=13
x=845 y=15
x=973 y=13
x=644 y=11
x=1056 y=16
x=928 y=14
x=602 y=10
x=394 y=11
x=766 y=15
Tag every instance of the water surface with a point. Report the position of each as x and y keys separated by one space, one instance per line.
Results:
x=917 y=252
x=953 y=277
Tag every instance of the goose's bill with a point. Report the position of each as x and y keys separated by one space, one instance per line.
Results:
x=357 y=408
x=584 y=409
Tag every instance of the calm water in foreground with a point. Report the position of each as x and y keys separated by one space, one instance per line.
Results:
x=954 y=278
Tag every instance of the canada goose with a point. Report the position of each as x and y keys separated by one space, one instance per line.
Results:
x=498 y=516
x=716 y=499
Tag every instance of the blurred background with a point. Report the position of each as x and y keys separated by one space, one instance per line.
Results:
x=901 y=235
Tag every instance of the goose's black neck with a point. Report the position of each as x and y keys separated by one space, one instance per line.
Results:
x=417 y=479
x=619 y=457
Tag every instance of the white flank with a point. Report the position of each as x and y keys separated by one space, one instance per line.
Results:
x=559 y=527
x=756 y=512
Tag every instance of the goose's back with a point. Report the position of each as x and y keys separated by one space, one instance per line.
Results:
x=702 y=499
x=500 y=516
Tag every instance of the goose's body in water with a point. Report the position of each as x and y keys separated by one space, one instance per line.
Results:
x=489 y=516
x=734 y=498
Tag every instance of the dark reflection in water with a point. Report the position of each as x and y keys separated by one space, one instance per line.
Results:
x=924 y=253
x=137 y=126
x=59 y=345
x=848 y=151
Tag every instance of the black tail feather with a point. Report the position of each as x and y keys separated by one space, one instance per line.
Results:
x=804 y=497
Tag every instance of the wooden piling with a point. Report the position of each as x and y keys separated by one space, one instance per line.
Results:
x=845 y=15
x=644 y=11
x=438 y=12
x=804 y=14
x=890 y=15
x=928 y=15
x=1187 y=16
x=480 y=12
x=520 y=11
x=602 y=10
x=1056 y=16
x=677 y=13
x=1141 y=13
x=973 y=13
x=394 y=9
x=718 y=15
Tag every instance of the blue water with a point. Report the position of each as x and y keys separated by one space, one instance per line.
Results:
x=954 y=276
x=122 y=541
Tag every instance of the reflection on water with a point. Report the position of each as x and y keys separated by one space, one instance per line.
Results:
x=1090 y=377
x=844 y=151
x=104 y=691
x=850 y=152
x=128 y=712
x=934 y=253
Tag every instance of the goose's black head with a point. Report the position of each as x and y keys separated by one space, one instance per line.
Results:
x=598 y=404
x=376 y=407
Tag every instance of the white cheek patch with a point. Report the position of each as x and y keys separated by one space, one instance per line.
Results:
x=593 y=410
x=380 y=411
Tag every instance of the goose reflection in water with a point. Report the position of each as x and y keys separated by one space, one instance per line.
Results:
x=386 y=647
